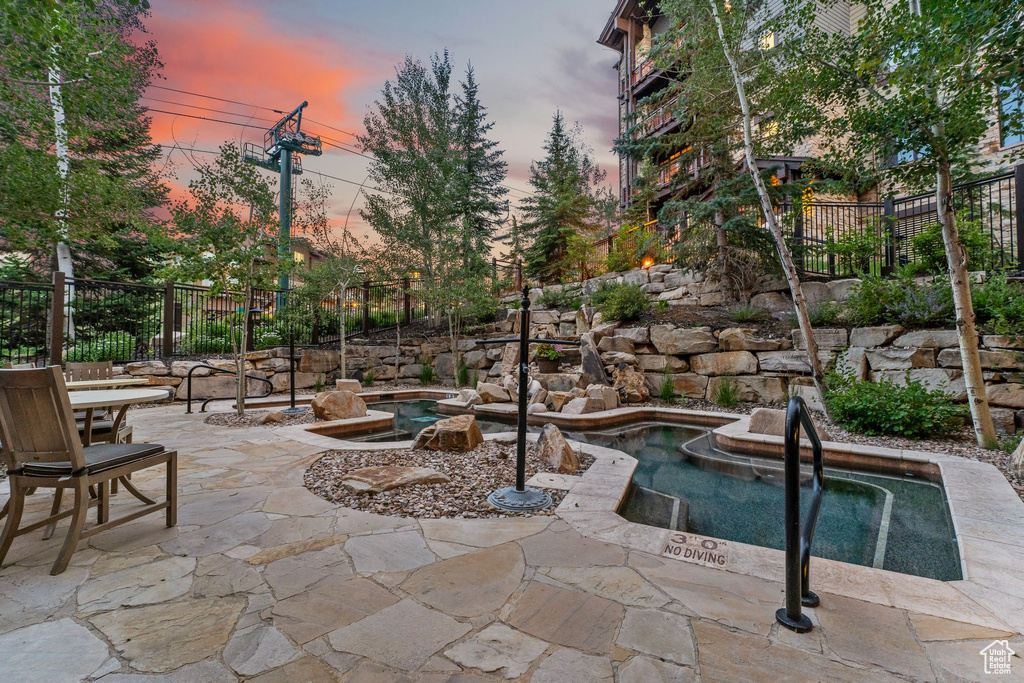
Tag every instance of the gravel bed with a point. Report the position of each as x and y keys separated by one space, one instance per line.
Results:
x=252 y=418
x=3 y=471
x=490 y=466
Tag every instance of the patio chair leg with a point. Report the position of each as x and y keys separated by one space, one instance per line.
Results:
x=172 y=490
x=54 y=509
x=77 y=524
x=15 y=506
x=113 y=486
x=3 y=511
x=103 y=510
x=130 y=488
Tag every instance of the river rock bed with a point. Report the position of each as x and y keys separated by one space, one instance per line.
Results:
x=253 y=418
x=473 y=474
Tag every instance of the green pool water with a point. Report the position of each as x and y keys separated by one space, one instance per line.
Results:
x=684 y=482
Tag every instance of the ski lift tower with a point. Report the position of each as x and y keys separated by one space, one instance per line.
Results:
x=279 y=144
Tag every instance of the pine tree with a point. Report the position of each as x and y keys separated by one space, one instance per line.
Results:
x=481 y=194
x=563 y=203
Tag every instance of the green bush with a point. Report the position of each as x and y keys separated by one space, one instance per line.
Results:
x=113 y=346
x=620 y=301
x=748 y=313
x=369 y=377
x=930 y=251
x=727 y=395
x=825 y=313
x=881 y=301
x=999 y=306
x=561 y=300
x=619 y=261
x=426 y=372
x=461 y=374
x=667 y=392
x=884 y=408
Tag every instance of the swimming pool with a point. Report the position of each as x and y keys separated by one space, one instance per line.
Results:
x=684 y=482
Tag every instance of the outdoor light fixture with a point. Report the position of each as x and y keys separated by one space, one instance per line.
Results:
x=648 y=262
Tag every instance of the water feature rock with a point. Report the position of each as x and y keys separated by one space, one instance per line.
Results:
x=492 y=393
x=454 y=434
x=772 y=421
x=385 y=478
x=553 y=449
x=630 y=385
x=337 y=405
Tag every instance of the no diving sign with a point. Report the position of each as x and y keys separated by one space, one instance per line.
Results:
x=699 y=550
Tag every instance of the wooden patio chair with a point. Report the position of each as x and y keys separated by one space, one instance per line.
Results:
x=104 y=428
x=41 y=447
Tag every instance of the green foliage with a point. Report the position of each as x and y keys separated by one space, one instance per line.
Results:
x=880 y=301
x=461 y=374
x=548 y=351
x=620 y=301
x=562 y=299
x=667 y=392
x=619 y=261
x=854 y=252
x=114 y=346
x=205 y=336
x=318 y=382
x=727 y=394
x=662 y=305
x=884 y=408
x=825 y=313
x=999 y=305
x=369 y=377
x=562 y=204
x=748 y=313
x=930 y=251
x=427 y=375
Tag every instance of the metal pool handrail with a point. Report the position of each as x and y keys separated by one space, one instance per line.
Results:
x=202 y=408
x=798 y=541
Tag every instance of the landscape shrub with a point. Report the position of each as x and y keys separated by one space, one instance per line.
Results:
x=999 y=306
x=748 y=313
x=369 y=377
x=560 y=299
x=426 y=371
x=727 y=395
x=930 y=251
x=620 y=301
x=880 y=301
x=113 y=346
x=667 y=392
x=619 y=261
x=462 y=374
x=884 y=408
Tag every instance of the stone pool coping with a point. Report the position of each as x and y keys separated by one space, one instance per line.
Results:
x=991 y=593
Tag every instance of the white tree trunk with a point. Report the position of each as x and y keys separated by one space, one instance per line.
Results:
x=967 y=334
x=240 y=385
x=799 y=302
x=344 y=325
x=63 y=251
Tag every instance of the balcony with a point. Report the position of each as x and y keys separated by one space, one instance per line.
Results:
x=656 y=120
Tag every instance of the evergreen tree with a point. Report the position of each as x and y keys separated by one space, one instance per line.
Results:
x=563 y=203
x=481 y=194
x=516 y=241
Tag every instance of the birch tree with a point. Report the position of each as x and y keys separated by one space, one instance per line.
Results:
x=731 y=27
x=907 y=98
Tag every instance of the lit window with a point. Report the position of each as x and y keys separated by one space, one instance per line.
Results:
x=298 y=258
x=1011 y=104
x=769 y=128
x=768 y=40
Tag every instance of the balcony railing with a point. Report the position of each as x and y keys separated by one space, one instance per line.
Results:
x=660 y=117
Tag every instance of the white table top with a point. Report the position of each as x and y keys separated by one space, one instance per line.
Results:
x=112 y=383
x=114 y=397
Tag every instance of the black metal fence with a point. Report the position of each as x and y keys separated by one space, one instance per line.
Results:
x=95 y=320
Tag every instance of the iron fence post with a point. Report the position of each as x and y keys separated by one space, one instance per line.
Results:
x=167 y=349
x=1018 y=188
x=366 y=307
x=889 y=229
x=798 y=238
x=57 y=319
x=406 y=302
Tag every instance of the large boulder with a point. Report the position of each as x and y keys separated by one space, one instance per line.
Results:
x=605 y=395
x=869 y=337
x=726 y=363
x=452 y=435
x=752 y=388
x=671 y=340
x=554 y=451
x=656 y=363
x=444 y=365
x=580 y=406
x=744 y=339
x=387 y=477
x=772 y=421
x=688 y=384
x=337 y=405
x=630 y=385
x=492 y=393
x=616 y=343
x=148 y=367
x=591 y=362
x=900 y=359
x=220 y=386
x=557 y=399
x=318 y=360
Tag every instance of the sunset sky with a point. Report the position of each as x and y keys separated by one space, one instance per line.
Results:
x=530 y=57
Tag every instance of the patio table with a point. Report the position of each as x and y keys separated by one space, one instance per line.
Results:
x=110 y=398
x=112 y=383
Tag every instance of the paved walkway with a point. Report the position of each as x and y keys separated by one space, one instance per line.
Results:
x=263 y=581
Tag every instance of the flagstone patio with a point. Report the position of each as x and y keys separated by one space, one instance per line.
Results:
x=262 y=580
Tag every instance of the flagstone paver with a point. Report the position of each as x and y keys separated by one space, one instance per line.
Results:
x=51 y=652
x=404 y=635
x=567 y=617
x=655 y=632
x=263 y=580
x=498 y=647
x=164 y=637
x=570 y=666
x=469 y=585
x=389 y=552
x=334 y=602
